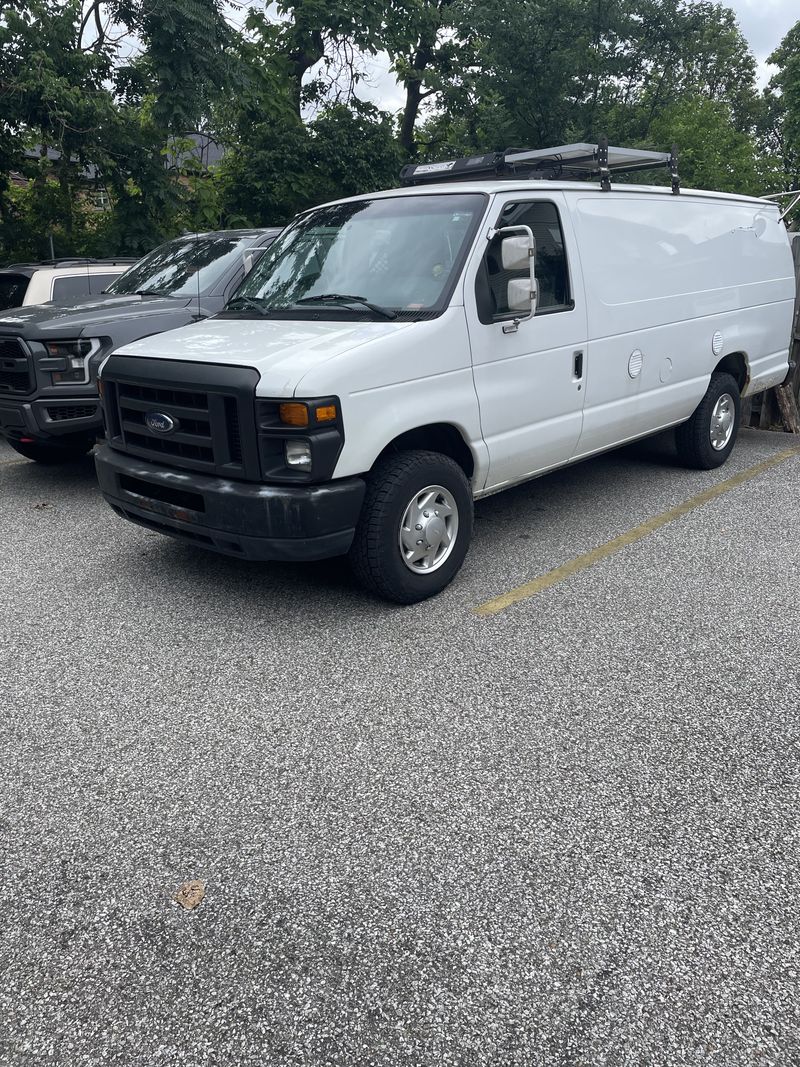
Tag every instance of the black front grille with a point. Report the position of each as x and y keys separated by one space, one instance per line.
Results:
x=71 y=411
x=193 y=437
x=151 y=491
x=211 y=406
x=16 y=369
x=232 y=422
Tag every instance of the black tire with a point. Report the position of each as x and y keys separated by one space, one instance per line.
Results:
x=376 y=557
x=52 y=454
x=693 y=438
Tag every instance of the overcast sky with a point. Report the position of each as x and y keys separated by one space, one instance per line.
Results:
x=764 y=24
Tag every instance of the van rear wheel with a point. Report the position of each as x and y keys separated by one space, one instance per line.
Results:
x=415 y=526
x=707 y=439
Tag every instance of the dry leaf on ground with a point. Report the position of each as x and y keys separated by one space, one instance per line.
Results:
x=190 y=894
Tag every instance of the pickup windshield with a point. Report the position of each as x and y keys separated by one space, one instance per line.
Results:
x=389 y=258
x=182 y=267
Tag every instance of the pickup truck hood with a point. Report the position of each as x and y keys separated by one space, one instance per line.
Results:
x=281 y=350
x=90 y=315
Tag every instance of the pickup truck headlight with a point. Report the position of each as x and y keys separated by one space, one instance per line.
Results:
x=68 y=361
x=299 y=440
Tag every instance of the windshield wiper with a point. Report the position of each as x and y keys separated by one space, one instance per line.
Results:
x=150 y=292
x=253 y=302
x=344 y=298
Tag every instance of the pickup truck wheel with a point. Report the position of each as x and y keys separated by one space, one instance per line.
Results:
x=415 y=526
x=58 y=452
x=707 y=439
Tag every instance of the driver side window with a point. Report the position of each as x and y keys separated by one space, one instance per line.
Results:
x=552 y=275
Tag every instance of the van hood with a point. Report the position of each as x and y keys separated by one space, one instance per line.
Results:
x=92 y=313
x=281 y=350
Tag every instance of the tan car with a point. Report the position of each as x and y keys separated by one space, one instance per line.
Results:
x=60 y=281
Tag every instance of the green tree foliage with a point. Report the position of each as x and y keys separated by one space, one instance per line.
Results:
x=105 y=93
x=49 y=86
x=588 y=67
x=279 y=170
x=713 y=153
x=783 y=100
x=426 y=54
x=73 y=116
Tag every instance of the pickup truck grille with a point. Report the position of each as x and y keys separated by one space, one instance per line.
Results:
x=72 y=411
x=212 y=408
x=16 y=368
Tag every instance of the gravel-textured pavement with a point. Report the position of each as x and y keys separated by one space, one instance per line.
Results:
x=563 y=835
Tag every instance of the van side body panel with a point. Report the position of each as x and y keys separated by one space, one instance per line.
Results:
x=664 y=275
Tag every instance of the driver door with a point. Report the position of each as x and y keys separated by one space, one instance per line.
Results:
x=530 y=381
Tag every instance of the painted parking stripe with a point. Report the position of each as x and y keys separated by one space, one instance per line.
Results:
x=630 y=537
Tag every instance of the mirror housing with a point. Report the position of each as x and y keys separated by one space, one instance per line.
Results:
x=516 y=253
x=521 y=297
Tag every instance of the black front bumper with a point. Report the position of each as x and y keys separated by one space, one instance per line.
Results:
x=244 y=519
x=50 y=417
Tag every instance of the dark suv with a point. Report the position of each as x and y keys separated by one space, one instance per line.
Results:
x=49 y=407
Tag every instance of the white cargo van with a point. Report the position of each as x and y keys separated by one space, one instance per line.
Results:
x=395 y=356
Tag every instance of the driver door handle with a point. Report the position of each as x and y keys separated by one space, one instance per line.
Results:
x=577 y=365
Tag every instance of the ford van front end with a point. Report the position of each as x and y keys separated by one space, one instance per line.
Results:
x=191 y=452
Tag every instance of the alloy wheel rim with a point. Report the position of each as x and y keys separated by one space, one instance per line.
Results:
x=428 y=529
x=722 y=419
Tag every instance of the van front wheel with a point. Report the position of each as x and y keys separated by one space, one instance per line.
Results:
x=415 y=526
x=707 y=439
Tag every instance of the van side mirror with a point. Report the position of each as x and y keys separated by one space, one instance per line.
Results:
x=516 y=253
x=522 y=295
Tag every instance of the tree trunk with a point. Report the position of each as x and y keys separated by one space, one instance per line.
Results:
x=309 y=50
x=413 y=99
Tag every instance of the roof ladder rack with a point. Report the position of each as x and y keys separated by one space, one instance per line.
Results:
x=602 y=164
x=571 y=162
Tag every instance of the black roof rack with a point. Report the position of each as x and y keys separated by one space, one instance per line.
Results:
x=570 y=161
x=78 y=261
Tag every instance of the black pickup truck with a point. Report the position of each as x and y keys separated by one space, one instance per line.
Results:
x=49 y=355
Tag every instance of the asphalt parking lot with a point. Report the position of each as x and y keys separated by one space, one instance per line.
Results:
x=563 y=833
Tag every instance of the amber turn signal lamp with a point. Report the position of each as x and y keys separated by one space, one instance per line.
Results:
x=293 y=414
x=326 y=413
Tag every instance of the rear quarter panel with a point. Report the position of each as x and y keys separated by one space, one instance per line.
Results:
x=663 y=275
x=40 y=288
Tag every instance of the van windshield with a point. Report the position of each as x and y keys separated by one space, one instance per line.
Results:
x=396 y=257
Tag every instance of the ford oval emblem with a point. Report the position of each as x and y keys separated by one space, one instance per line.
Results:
x=158 y=422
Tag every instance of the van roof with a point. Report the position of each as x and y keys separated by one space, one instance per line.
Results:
x=506 y=185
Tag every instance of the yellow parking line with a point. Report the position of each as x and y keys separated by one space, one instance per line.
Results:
x=610 y=548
